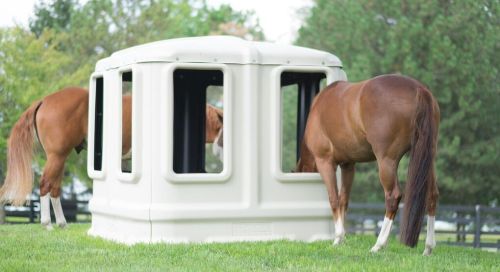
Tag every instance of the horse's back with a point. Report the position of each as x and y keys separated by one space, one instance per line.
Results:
x=62 y=119
x=389 y=94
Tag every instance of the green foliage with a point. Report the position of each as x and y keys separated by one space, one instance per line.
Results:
x=100 y=28
x=66 y=38
x=54 y=15
x=451 y=46
x=31 y=248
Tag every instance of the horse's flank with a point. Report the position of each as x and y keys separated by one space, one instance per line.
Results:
x=62 y=120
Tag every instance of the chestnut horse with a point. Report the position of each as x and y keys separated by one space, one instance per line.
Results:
x=379 y=119
x=59 y=121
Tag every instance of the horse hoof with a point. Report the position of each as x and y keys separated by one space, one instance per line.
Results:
x=427 y=251
x=338 y=241
x=63 y=225
x=48 y=227
x=375 y=249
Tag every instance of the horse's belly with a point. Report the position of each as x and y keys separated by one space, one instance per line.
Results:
x=353 y=150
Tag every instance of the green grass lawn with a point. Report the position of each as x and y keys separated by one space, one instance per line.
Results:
x=31 y=248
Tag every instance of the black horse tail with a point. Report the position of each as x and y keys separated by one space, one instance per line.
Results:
x=420 y=170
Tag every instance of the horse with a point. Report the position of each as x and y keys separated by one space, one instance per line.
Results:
x=380 y=119
x=59 y=122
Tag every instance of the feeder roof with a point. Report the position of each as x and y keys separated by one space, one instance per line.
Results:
x=218 y=49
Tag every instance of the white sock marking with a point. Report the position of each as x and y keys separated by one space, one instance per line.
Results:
x=218 y=150
x=45 y=211
x=339 y=228
x=58 y=211
x=128 y=155
x=430 y=241
x=339 y=231
x=383 y=236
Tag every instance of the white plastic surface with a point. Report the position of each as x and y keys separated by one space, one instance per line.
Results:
x=218 y=49
x=251 y=199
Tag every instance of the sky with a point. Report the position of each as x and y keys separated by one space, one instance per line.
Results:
x=278 y=18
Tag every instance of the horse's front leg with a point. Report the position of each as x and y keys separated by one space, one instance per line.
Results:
x=345 y=191
x=328 y=169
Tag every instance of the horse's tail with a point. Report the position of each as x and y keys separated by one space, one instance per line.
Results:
x=420 y=169
x=19 y=179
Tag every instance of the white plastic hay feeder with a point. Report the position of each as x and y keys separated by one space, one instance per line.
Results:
x=166 y=197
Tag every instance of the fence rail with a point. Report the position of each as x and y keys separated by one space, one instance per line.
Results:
x=474 y=226
x=74 y=211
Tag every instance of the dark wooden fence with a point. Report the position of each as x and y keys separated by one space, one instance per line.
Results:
x=74 y=211
x=475 y=226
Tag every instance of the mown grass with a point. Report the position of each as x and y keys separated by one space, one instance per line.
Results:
x=30 y=248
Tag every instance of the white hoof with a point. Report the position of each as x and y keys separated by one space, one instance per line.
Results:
x=48 y=226
x=62 y=225
x=376 y=248
x=338 y=240
x=427 y=251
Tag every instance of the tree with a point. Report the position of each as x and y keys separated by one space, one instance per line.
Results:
x=98 y=28
x=54 y=15
x=451 y=46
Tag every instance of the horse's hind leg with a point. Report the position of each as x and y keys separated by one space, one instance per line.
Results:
x=50 y=189
x=388 y=177
x=430 y=240
x=56 y=205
